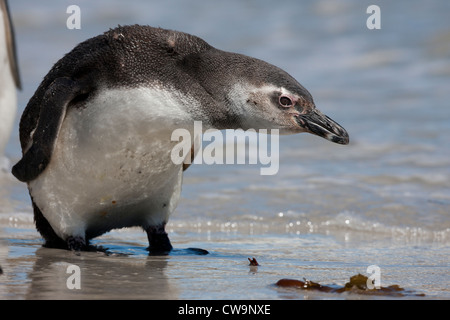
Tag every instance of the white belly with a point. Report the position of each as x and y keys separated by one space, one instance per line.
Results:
x=111 y=167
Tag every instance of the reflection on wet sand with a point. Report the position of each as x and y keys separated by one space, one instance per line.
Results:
x=101 y=276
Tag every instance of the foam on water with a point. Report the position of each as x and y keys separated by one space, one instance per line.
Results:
x=330 y=210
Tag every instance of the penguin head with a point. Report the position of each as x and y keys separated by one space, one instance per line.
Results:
x=258 y=95
x=290 y=109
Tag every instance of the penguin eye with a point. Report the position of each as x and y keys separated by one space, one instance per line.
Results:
x=285 y=101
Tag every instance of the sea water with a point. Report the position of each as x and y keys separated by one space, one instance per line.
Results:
x=330 y=212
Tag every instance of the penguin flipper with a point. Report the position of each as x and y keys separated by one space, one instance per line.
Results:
x=51 y=116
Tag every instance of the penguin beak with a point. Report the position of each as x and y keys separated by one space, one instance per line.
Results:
x=319 y=124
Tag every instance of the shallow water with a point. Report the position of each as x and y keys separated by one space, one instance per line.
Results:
x=329 y=213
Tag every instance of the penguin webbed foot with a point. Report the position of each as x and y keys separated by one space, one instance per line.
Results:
x=76 y=243
x=158 y=239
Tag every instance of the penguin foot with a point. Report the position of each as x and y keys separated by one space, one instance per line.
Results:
x=158 y=239
x=76 y=243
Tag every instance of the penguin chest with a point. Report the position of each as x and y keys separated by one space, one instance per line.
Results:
x=111 y=165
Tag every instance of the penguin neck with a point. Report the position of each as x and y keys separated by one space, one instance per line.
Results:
x=233 y=110
x=227 y=107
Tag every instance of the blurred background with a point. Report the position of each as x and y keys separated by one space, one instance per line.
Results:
x=390 y=88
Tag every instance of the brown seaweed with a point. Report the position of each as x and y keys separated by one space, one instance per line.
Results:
x=357 y=285
x=253 y=262
x=304 y=285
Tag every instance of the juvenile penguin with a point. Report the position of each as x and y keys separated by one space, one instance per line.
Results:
x=9 y=76
x=96 y=135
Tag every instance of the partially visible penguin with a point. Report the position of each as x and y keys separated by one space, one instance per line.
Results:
x=9 y=77
x=96 y=135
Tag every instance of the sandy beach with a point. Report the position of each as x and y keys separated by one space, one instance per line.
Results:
x=328 y=214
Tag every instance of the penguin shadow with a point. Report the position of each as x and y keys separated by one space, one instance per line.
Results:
x=132 y=249
x=175 y=252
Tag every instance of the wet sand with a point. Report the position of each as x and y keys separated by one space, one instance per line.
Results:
x=327 y=215
x=127 y=271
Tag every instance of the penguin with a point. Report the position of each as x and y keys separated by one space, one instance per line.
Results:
x=9 y=76
x=96 y=134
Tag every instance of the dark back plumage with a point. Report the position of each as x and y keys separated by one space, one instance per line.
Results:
x=124 y=56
